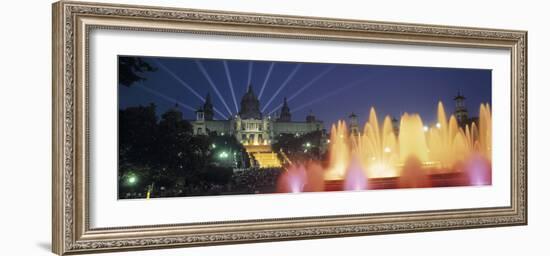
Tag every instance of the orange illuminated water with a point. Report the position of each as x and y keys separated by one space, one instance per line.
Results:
x=416 y=152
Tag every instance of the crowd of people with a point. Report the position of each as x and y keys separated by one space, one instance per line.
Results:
x=248 y=181
x=256 y=181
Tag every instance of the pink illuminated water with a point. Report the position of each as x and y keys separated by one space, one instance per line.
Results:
x=355 y=177
x=293 y=180
x=478 y=170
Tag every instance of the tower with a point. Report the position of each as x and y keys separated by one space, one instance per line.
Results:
x=353 y=125
x=250 y=105
x=310 y=118
x=177 y=108
x=199 y=126
x=285 y=115
x=461 y=113
x=208 y=108
x=395 y=126
x=200 y=114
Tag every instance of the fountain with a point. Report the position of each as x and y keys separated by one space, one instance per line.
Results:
x=444 y=154
x=377 y=149
x=293 y=180
x=339 y=154
x=355 y=176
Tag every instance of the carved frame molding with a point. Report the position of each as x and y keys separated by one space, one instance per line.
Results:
x=72 y=22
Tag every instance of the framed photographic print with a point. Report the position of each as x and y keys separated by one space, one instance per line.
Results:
x=178 y=127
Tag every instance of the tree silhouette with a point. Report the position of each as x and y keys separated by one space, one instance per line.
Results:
x=130 y=70
x=137 y=134
x=300 y=148
x=164 y=154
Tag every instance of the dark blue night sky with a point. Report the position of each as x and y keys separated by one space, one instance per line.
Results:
x=330 y=91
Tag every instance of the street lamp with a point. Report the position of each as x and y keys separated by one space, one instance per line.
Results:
x=131 y=179
x=223 y=155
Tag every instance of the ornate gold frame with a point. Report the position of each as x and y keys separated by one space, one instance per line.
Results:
x=72 y=21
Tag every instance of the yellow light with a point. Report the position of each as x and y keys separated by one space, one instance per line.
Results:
x=381 y=170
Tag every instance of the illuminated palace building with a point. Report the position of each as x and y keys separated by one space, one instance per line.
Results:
x=255 y=130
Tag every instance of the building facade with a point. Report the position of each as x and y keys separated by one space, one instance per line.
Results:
x=250 y=126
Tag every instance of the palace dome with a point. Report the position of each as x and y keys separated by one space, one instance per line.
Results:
x=250 y=105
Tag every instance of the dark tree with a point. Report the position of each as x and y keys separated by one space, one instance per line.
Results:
x=228 y=144
x=198 y=155
x=179 y=152
x=218 y=175
x=289 y=143
x=300 y=148
x=137 y=134
x=131 y=69
x=174 y=133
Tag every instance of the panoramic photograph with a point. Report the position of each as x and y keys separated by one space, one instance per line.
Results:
x=210 y=127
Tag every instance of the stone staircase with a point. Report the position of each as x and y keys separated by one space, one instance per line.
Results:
x=264 y=155
x=267 y=159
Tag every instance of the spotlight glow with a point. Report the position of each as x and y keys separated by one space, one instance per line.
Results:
x=164 y=97
x=230 y=82
x=177 y=78
x=285 y=83
x=250 y=64
x=209 y=79
x=307 y=85
x=328 y=95
x=184 y=84
x=266 y=79
x=172 y=100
